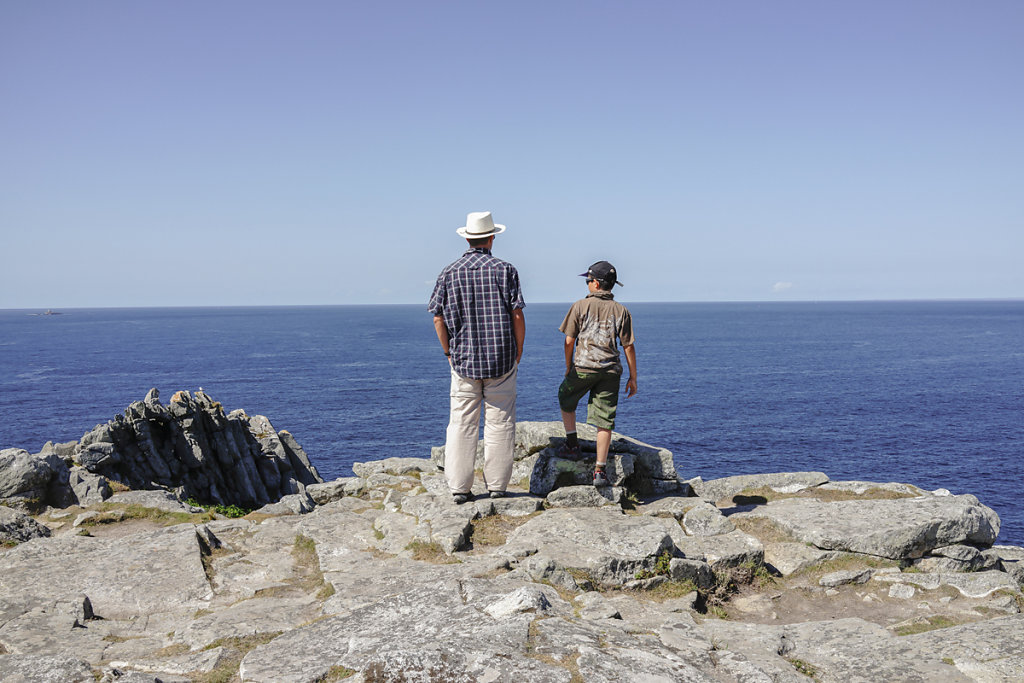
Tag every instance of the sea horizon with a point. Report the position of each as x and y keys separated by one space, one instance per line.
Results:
x=57 y=309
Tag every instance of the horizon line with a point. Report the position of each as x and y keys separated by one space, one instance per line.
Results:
x=42 y=311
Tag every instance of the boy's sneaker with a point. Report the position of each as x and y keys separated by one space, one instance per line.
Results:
x=600 y=478
x=461 y=498
x=497 y=494
x=568 y=453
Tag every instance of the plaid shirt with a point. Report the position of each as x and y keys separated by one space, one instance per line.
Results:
x=476 y=296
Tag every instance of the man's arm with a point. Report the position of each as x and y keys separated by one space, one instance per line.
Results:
x=519 y=331
x=570 y=343
x=631 y=362
x=442 y=335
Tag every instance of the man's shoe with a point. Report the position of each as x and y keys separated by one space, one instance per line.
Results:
x=600 y=478
x=461 y=498
x=497 y=494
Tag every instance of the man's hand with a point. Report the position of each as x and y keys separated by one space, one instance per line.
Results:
x=631 y=387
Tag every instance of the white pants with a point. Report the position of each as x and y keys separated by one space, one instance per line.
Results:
x=498 y=396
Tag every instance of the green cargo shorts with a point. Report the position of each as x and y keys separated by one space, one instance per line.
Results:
x=604 y=395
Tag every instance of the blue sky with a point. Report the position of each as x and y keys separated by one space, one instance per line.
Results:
x=251 y=153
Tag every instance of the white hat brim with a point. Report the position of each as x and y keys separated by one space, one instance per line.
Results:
x=463 y=232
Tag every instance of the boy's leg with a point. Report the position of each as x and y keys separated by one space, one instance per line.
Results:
x=569 y=421
x=601 y=408
x=572 y=389
x=604 y=442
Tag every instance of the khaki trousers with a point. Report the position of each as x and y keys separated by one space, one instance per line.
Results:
x=498 y=397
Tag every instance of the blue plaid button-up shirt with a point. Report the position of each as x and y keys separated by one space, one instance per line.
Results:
x=476 y=296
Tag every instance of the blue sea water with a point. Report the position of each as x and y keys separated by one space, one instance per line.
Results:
x=928 y=393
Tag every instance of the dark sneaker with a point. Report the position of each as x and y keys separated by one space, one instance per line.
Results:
x=461 y=498
x=497 y=494
x=568 y=453
x=600 y=478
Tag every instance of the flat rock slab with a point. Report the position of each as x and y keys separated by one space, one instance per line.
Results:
x=44 y=669
x=669 y=506
x=248 y=618
x=584 y=497
x=838 y=651
x=789 y=558
x=990 y=650
x=897 y=529
x=425 y=632
x=970 y=584
x=604 y=542
x=157 y=500
x=159 y=571
x=857 y=651
x=860 y=488
x=715 y=490
x=395 y=466
x=722 y=551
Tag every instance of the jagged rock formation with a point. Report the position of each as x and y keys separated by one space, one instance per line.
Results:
x=189 y=446
x=383 y=577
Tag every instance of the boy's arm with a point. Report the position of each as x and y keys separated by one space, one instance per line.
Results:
x=630 y=352
x=570 y=342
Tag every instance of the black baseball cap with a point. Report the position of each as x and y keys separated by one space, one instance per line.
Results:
x=602 y=271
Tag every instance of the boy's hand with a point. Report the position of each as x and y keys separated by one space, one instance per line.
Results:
x=631 y=387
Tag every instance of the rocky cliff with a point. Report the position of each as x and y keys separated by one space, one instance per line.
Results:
x=189 y=446
x=781 y=577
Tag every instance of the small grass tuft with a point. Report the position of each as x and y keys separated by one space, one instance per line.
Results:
x=171 y=650
x=430 y=552
x=493 y=530
x=236 y=648
x=661 y=567
x=336 y=673
x=669 y=590
x=765 y=530
x=309 y=576
x=110 y=513
x=925 y=624
x=803 y=667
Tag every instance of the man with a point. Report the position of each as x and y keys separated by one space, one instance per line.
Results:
x=478 y=315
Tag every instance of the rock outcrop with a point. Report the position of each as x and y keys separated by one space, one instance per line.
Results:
x=190 y=446
x=382 y=577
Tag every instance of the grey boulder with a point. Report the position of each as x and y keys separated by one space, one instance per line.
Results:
x=896 y=529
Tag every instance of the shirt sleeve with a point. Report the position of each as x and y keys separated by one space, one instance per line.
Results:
x=570 y=327
x=437 y=299
x=515 y=291
x=626 y=328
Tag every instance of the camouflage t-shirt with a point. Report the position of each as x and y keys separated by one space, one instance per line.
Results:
x=597 y=323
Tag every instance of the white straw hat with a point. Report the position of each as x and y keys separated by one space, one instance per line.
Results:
x=480 y=224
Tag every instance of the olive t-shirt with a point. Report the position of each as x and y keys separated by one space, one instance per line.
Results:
x=598 y=322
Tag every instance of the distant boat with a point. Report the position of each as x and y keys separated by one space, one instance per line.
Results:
x=48 y=312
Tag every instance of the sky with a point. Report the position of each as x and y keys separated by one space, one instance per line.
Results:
x=324 y=152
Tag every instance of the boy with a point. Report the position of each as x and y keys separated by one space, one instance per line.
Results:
x=594 y=326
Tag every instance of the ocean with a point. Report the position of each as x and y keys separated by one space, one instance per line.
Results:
x=926 y=393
